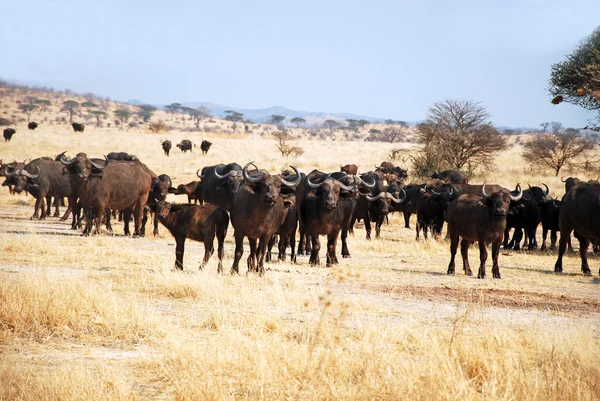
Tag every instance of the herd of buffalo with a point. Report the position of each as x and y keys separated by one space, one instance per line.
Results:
x=269 y=208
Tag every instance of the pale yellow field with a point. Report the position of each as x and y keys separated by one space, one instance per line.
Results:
x=106 y=318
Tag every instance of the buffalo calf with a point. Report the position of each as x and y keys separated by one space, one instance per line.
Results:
x=198 y=223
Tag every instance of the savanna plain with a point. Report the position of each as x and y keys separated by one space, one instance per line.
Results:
x=107 y=318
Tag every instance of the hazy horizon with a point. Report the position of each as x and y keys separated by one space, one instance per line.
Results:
x=380 y=59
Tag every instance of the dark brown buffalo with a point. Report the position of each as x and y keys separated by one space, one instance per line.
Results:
x=185 y=145
x=389 y=172
x=451 y=176
x=8 y=133
x=166 y=145
x=113 y=185
x=479 y=219
x=198 y=223
x=43 y=178
x=220 y=183
x=121 y=156
x=462 y=189
x=193 y=190
x=326 y=209
x=6 y=168
x=431 y=211
x=205 y=146
x=351 y=169
x=570 y=182
x=550 y=222
x=32 y=125
x=409 y=206
x=258 y=213
x=579 y=212
x=77 y=127
x=161 y=187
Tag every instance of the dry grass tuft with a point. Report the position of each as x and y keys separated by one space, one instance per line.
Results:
x=37 y=307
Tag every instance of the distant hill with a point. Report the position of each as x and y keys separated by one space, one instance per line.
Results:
x=263 y=115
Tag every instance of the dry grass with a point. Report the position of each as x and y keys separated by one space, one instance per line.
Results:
x=106 y=317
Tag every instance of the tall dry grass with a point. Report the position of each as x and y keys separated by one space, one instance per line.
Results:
x=106 y=317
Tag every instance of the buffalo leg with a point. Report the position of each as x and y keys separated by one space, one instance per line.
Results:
x=209 y=248
x=406 y=219
x=138 y=212
x=565 y=236
x=272 y=241
x=464 y=252
x=239 y=251
x=584 y=243
x=425 y=229
x=544 y=236
x=316 y=247
x=251 y=261
x=220 y=252
x=331 y=242
x=36 y=208
x=532 y=240
x=179 y=249
x=48 y=210
x=345 y=251
x=107 y=215
x=262 y=250
x=302 y=241
x=506 y=238
x=552 y=240
x=368 y=227
x=417 y=229
x=292 y=239
x=56 y=204
x=483 y=254
x=126 y=215
x=453 y=247
x=76 y=211
x=495 y=253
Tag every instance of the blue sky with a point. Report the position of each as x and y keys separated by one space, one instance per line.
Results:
x=390 y=59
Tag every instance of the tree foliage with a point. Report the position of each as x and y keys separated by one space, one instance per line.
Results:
x=577 y=79
x=331 y=124
x=284 y=146
x=554 y=151
x=70 y=106
x=276 y=119
x=99 y=115
x=123 y=115
x=458 y=134
x=298 y=121
x=233 y=116
x=28 y=108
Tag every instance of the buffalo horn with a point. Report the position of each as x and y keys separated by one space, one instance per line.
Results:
x=561 y=179
x=247 y=176
x=547 y=190
x=483 y=191
x=348 y=187
x=517 y=197
x=219 y=176
x=67 y=162
x=312 y=185
x=99 y=166
x=396 y=200
x=378 y=196
x=434 y=192
x=363 y=182
x=197 y=171
x=295 y=182
x=25 y=173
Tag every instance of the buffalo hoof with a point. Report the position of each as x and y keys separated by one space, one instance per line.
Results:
x=346 y=256
x=497 y=275
x=587 y=273
x=300 y=252
x=481 y=276
x=56 y=215
x=553 y=247
x=543 y=248
x=293 y=259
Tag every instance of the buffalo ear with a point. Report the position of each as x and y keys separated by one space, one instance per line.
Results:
x=171 y=190
x=289 y=200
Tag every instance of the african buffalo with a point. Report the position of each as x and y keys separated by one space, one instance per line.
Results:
x=579 y=212
x=121 y=156
x=258 y=212
x=6 y=168
x=166 y=145
x=77 y=127
x=409 y=206
x=326 y=209
x=479 y=218
x=161 y=187
x=389 y=172
x=220 y=183
x=451 y=176
x=193 y=190
x=8 y=133
x=185 y=145
x=205 y=146
x=351 y=169
x=113 y=185
x=43 y=178
x=198 y=223
x=431 y=211
x=570 y=182
x=32 y=125
x=550 y=219
x=524 y=216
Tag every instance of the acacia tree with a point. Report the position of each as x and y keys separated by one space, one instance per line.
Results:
x=123 y=115
x=199 y=114
x=576 y=80
x=276 y=119
x=298 y=121
x=98 y=114
x=70 y=106
x=545 y=126
x=28 y=108
x=233 y=116
x=556 y=150
x=331 y=124
x=459 y=134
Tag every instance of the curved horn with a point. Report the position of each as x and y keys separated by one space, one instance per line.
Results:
x=295 y=182
x=434 y=192
x=197 y=171
x=363 y=182
x=247 y=176
x=67 y=162
x=396 y=200
x=312 y=185
x=25 y=173
x=555 y=203
x=561 y=179
x=547 y=190
x=378 y=196
x=348 y=187
x=219 y=176
x=99 y=166
x=483 y=191
x=529 y=185
x=519 y=196
x=60 y=155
